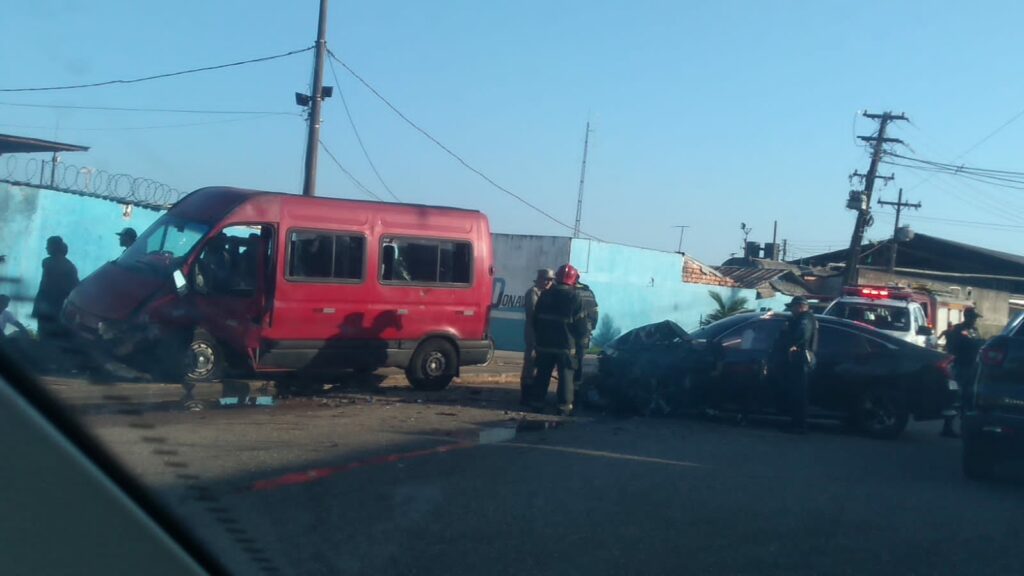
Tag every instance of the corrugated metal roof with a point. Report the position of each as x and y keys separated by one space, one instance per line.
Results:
x=751 y=277
x=11 y=144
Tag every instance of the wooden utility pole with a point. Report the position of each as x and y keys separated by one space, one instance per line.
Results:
x=863 y=199
x=315 y=100
x=900 y=205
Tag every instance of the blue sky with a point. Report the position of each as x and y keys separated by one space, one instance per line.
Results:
x=705 y=114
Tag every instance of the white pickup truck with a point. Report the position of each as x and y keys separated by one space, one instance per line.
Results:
x=903 y=319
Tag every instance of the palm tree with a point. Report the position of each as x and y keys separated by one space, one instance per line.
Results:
x=737 y=305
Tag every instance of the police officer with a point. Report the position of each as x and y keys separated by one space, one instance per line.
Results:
x=559 y=323
x=545 y=278
x=963 y=341
x=591 y=313
x=799 y=344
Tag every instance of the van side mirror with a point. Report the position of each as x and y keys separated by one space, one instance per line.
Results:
x=179 y=282
x=925 y=331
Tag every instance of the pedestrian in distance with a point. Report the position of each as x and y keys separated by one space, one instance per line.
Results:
x=58 y=280
x=544 y=280
x=8 y=319
x=559 y=323
x=590 y=310
x=964 y=342
x=127 y=237
x=799 y=343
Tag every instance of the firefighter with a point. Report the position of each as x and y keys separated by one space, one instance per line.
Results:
x=963 y=341
x=591 y=313
x=545 y=278
x=799 y=344
x=559 y=323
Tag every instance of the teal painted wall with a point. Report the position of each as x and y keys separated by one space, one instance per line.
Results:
x=28 y=216
x=637 y=286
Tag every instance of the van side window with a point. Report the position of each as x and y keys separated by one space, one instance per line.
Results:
x=325 y=256
x=426 y=261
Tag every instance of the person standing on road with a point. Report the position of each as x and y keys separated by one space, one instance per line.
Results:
x=127 y=237
x=559 y=323
x=591 y=313
x=800 y=345
x=58 y=280
x=545 y=278
x=963 y=341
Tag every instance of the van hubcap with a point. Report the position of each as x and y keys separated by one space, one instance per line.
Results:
x=201 y=359
x=434 y=364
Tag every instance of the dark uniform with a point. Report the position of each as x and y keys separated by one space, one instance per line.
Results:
x=799 y=342
x=559 y=323
x=964 y=342
x=58 y=280
x=591 y=313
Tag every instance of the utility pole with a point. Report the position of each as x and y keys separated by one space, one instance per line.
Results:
x=861 y=201
x=900 y=205
x=583 y=175
x=681 y=230
x=315 y=100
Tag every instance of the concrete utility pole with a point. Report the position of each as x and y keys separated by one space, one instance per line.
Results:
x=900 y=205
x=681 y=230
x=583 y=175
x=863 y=199
x=315 y=100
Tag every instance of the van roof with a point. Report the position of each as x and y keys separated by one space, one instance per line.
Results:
x=876 y=301
x=213 y=202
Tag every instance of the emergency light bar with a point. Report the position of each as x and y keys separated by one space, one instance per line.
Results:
x=876 y=292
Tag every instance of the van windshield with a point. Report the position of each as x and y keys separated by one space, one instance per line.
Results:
x=165 y=244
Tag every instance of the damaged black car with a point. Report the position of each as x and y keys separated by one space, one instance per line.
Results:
x=865 y=378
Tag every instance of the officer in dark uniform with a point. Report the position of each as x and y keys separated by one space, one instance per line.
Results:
x=591 y=313
x=559 y=323
x=963 y=341
x=799 y=345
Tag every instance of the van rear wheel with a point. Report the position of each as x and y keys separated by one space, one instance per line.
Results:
x=433 y=365
x=204 y=359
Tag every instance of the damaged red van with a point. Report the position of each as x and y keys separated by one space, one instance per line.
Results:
x=242 y=280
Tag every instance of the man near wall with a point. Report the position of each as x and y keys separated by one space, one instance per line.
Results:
x=559 y=323
x=591 y=313
x=545 y=278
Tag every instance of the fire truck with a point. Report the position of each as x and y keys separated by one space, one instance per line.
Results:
x=914 y=314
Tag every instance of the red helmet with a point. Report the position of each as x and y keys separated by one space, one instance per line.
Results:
x=567 y=274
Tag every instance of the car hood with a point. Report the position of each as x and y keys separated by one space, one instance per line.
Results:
x=114 y=291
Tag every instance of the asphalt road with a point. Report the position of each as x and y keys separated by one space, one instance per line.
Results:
x=387 y=480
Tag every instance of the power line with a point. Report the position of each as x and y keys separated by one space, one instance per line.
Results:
x=344 y=102
x=349 y=174
x=152 y=127
x=450 y=152
x=158 y=76
x=161 y=110
x=954 y=221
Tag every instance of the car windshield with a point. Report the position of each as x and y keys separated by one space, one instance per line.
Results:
x=165 y=244
x=446 y=288
x=880 y=316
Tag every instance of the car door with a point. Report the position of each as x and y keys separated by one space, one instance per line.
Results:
x=232 y=279
x=847 y=361
x=744 y=371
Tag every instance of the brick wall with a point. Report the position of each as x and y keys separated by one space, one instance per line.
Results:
x=696 y=273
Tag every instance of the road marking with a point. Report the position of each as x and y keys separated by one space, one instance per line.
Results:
x=316 y=474
x=603 y=454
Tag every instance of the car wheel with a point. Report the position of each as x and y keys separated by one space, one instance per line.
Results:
x=433 y=365
x=977 y=460
x=204 y=359
x=649 y=397
x=880 y=413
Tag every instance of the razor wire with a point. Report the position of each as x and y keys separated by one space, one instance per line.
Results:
x=84 y=181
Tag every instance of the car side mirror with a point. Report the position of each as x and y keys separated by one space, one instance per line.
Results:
x=925 y=331
x=180 y=284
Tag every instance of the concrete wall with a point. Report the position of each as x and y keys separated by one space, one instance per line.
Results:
x=994 y=305
x=28 y=216
x=516 y=260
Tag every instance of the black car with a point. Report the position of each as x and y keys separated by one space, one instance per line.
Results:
x=993 y=425
x=864 y=377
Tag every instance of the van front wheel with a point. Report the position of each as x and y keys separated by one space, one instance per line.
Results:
x=204 y=358
x=433 y=365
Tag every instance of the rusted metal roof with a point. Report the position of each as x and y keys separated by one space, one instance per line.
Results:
x=10 y=144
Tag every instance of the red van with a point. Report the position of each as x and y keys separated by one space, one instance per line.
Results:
x=232 y=279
